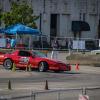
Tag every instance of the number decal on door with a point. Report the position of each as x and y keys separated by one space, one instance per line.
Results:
x=24 y=60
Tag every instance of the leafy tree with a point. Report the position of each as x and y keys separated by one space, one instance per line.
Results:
x=20 y=14
x=0 y=16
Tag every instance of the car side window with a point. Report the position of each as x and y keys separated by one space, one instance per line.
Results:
x=24 y=53
x=27 y=54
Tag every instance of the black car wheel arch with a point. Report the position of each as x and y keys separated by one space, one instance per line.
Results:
x=43 y=66
x=8 y=64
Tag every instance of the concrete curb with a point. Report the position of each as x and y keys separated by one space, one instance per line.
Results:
x=83 y=59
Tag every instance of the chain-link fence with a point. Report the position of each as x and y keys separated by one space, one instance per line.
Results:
x=43 y=42
x=66 y=94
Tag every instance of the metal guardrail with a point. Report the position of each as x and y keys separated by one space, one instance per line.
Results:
x=33 y=94
x=92 y=88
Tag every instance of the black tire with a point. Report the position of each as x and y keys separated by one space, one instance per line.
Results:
x=8 y=64
x=42 y=67
x=57 y=71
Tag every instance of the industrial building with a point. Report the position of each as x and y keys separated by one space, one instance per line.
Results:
x=64 y=18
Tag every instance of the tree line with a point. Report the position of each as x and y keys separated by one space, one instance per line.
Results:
x=19 y=14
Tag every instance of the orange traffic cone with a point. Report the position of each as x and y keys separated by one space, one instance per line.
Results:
x=46 y=86
x=77 y=66
x=27 y=67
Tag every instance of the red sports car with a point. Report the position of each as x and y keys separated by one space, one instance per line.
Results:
x=36 y=59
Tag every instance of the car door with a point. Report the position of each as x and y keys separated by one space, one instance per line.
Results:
x=33 y=62
x=22 y=59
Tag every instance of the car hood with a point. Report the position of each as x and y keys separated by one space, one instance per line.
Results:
x=53 y=60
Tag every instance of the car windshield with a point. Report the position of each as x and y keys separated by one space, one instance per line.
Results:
x=38 y=54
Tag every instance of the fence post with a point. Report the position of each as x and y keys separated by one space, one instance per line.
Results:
x=31 y=95
x=77 y=44
x=84 y=90
x=42 y=42
x=29 y=41
x=58 y=95
x=34 y=96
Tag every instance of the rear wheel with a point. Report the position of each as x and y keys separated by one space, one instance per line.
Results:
x=8 y=63
x=42 y=67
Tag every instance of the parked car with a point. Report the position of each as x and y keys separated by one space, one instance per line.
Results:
x=90 y=45
x=38 y=44
x=96 y=52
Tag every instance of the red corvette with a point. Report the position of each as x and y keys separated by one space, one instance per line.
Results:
x=36 y=59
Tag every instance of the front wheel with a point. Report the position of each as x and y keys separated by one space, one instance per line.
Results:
x=42 y=67
x=8 y=64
